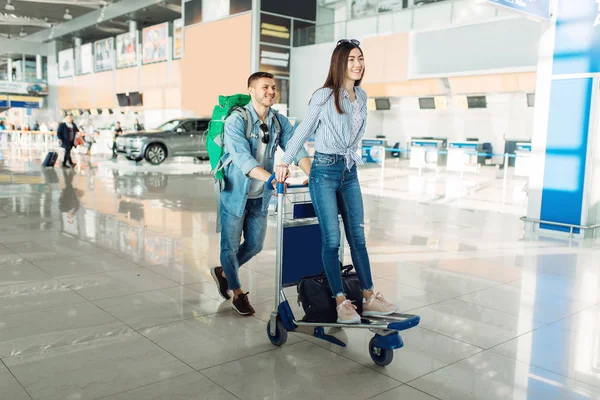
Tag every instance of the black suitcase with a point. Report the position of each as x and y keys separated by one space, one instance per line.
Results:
x=317 y=300
x=50 y=159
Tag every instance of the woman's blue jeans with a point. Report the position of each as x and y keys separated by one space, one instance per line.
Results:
x=335 y=190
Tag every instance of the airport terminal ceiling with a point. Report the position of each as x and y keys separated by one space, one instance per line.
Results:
x=21 y=18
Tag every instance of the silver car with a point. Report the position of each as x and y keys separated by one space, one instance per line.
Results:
x=175 y=138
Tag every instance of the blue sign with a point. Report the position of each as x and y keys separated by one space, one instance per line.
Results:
x=536 y=8
x=462 y=145
x=419 y=143
x=4 y=103
x=577 y=46
x=24 y=104
x=373 y=150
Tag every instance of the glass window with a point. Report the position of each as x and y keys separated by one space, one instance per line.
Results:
x=202 y=126
x=189 y=126
x=168 y=126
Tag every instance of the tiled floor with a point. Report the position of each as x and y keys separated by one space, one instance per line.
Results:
x=105 y=292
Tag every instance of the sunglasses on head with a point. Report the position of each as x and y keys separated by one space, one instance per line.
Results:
x=353 y=41
x=265 y=129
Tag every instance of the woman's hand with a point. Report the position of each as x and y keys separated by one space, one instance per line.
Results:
x=282 y=172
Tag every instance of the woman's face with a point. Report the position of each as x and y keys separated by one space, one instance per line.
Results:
x=356 y=65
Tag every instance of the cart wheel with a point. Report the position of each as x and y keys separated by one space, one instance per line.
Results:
x=381 y=357
x=281 y=333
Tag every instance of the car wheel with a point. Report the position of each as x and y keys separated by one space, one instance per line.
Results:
x=156 y=154
x=156 y=182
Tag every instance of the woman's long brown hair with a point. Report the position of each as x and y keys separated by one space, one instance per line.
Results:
x=338 y=68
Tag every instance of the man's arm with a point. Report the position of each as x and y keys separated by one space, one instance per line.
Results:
x=239 y=149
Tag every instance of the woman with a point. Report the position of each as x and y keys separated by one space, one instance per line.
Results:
x=337 y=115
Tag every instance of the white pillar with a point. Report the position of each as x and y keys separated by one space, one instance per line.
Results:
x=133 y=26
x=9 y=66
x=254 y=54
x=38 y=67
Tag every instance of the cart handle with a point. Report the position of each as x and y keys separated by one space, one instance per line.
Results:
x=281 y=185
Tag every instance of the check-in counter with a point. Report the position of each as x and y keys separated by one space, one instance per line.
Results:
x=373 y=150
x=462 y=156
x=522 y=159
x=424 y=153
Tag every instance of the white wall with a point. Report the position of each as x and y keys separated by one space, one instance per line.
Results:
x=308 y=69
x=507 y=116
x=508 y=45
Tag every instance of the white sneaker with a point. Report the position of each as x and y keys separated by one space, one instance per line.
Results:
x=347 y=313
x=377 y=305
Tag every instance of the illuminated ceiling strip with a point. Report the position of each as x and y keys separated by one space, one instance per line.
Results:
x=276 y=34
x=274 y=27
x=272 y=54
x=270 y=61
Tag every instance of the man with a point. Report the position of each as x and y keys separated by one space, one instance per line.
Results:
x=245 y=198
x=118 y=131
x=137 y=126
x=66 y=133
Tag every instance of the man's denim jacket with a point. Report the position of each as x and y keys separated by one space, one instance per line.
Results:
x=242 y=153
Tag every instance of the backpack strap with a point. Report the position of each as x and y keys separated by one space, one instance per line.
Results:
x=219 y=184
x=247 y=120
x=277 y=124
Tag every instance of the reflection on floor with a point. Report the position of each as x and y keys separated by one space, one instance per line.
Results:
x=105 y=292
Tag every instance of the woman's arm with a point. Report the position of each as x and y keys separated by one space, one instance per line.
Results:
x=307 y=126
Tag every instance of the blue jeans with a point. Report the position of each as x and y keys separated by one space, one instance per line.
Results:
x=335 y=190
x=253 y=224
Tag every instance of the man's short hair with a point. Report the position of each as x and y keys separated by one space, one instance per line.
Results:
x=258 y=75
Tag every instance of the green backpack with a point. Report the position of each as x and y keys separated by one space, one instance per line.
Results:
x=215 y=144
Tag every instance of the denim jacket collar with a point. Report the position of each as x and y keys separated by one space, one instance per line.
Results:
x=255 y=118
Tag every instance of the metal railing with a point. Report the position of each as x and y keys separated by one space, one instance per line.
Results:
x=571 y=227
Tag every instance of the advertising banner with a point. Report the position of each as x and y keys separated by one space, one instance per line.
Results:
x=127 y=50
x=104 y=54
x=177 y=38
x=65 y=63
x=84 y=60
x=154 y=43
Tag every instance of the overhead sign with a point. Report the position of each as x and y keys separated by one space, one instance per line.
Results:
x=23 y=87
x=3 y=101
x=25 y=102
x=535 y=8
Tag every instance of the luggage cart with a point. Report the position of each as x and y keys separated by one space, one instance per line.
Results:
x=298 y=254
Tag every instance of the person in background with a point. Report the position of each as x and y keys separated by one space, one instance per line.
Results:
x=137 y=126
x=118 y=131
x=36 y=126
x=2 y=127
x=44 y=127
x=67 y=132
x=14 y=73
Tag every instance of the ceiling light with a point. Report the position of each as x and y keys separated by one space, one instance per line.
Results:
x=9 y=6
x=67 y=15
x=22 y=33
